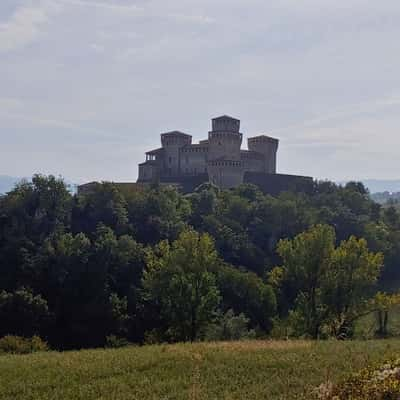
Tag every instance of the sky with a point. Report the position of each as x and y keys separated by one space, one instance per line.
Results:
x=87 y=86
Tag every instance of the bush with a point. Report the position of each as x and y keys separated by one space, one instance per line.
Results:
x=229 y=327
x=372 y=383
x=19 y=345
x=114 y=342
x=23 y=313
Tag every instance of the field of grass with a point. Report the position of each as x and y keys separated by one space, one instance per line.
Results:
x=237 y=370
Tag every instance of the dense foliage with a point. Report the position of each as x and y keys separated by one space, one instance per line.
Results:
x=154 y=264
x=376 y=382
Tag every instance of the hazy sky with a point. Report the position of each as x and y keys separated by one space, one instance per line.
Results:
x=87 y=86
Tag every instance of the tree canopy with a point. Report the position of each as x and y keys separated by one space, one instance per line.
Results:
x=153 y=264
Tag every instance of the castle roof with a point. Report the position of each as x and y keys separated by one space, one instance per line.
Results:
x=156 y=151
x=176 y=133
x=264 y=137
x=225 y=117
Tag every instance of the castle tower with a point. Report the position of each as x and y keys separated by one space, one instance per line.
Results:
x=268 y=146
x=171 y=143
x=225 y=168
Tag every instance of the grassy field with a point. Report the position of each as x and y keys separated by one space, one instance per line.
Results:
x=236 y=370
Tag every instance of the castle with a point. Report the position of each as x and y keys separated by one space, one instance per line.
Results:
x=218 y=159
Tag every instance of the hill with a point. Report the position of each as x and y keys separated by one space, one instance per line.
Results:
x=386 y=198
x=382 y=185
x=226 y=370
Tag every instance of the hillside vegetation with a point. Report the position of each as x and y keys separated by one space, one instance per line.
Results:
x=235 y=370
x=153 y=265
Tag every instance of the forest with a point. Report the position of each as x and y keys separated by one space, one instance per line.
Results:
x=153 y=265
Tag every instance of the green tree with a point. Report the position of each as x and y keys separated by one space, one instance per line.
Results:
x=381 y=305
x=348 y=284
x=306 y=260
x=30 y=213
x=104 y=204
x=245 y=292
x=229 y=326
x=23 y=313
x=179 y=281
x=331 y=286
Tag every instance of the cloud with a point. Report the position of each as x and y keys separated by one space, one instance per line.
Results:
x=352 y=111
x=132 y=10
x=9 y=103
x=97 y=48
x=24 y=25
x=323 y=78
x=126 y=9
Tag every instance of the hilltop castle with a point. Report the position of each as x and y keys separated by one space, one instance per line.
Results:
x=218 y=159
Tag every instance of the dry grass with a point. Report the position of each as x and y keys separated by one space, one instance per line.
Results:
x=256 y=345
x=237 y=370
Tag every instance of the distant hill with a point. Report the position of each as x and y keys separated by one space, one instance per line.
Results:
x=389 y=198
x=378 y=185
x=382 y=185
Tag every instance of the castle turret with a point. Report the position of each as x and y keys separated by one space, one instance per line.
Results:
x=225 y=139
x=224 y=166
x=267 y=146
x=171 y=143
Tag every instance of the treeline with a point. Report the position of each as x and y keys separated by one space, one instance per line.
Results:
x=152 y=264
x=387 y=198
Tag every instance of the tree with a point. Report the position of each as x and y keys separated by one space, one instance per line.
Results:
x=306 y=260
x=348 y=284
x=229 y=326
x=104 y=204
x=245 y=292
x=179 y=281
x=23 y=313
x=382 y=304
x=30 y=213
x=331 y=287
x=158 y=213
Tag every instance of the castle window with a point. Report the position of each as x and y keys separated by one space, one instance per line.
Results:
x=187 y=159
x=170 y=160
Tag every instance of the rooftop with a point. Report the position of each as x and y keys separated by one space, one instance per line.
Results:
x=176 y=133
x=225 y=117
x=263 y=137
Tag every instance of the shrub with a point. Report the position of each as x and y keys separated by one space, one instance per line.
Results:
x=19 y=345
x=23 y=313
x=229 y=327
x=381 y=383
x=114 y=342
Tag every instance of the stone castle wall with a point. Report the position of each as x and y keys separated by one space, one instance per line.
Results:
x=220 y=156
x=225 y=173
x=193 y=159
